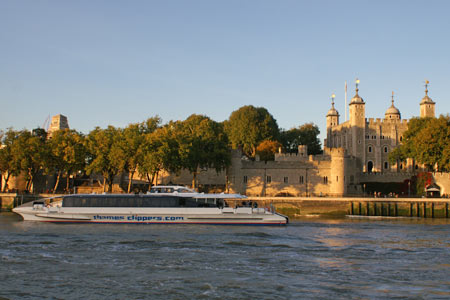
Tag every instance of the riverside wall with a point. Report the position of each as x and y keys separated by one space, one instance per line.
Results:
x=342 y=206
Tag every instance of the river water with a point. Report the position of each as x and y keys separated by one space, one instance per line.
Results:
x=309 y=258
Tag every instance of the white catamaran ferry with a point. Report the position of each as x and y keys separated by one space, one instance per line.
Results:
x=162 y=205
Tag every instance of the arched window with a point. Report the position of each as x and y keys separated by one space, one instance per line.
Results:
x=386 y=165
x=369 y=167
x=369 y=149
x=385 y=149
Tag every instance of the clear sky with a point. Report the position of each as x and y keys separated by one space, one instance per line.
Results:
x=120 y=62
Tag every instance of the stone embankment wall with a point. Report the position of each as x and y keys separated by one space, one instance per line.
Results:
x=342 y=206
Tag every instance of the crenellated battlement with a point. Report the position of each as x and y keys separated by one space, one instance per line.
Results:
x=380 y=121
x=290 y=157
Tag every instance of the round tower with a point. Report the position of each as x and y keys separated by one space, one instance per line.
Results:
x=332 y=121
x=332 y=115
x=337 y=172
x=357 y=108
x=427 y=105
x=358 y=128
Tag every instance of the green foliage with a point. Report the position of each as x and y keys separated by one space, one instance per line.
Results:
x=159 y=151
x=30 y=154
x=306 y=134
x=202 y=143
x=105 y=155
x=248 y=126
x=67 y=154
x=427 y=141
x=267 y=149
x=9 y=160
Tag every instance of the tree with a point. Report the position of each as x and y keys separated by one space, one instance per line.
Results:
x=9 y=164
x=306 y=134
x=29 y=152
x=248 y=126
x=267 y=149
x=67 y=154
x=130 y=143
x=159 y=151
x=202 y=144
x=105 y=155
x=427 y=141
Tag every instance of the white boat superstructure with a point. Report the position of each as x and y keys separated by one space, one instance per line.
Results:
x=163 y=205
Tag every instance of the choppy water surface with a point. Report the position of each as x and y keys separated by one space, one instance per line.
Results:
x=308 y=259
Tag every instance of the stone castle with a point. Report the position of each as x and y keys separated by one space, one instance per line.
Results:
x=355 y=155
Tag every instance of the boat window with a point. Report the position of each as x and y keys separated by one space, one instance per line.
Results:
x=124 y=201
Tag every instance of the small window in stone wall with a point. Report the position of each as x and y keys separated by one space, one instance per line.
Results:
x=269 y=179
x=300 y=179
x=385 y=149
x=286 y=179
x=370 y=149
x=325 y=179
x=386 y=165
x=245 y=179
x=337 y=178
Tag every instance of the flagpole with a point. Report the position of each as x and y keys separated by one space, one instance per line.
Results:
x=346 y=101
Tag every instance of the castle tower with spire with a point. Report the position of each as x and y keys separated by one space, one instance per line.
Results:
x=371 y=140
x=332 y=118
x=427 y=105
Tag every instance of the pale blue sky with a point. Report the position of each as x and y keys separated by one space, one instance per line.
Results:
x=119 y=62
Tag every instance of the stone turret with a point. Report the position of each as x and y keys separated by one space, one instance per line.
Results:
x=332 y=121
x=427 y=105
x=337 y=172
x=392 y=113
x=358 y=127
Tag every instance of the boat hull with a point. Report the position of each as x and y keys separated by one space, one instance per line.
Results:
x=213 y=216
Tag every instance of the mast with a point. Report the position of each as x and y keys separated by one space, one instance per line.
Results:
x=346 y=101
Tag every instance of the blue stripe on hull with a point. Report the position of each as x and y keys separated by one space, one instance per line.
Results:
x=165 y=223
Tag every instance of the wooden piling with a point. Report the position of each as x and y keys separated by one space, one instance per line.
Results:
x=367 y=209
x=446 y=210
x=382 y=209
x=351 y=208
x=360 y=209
x=411 y=209
x=424 y=209
x=395 y=209
x=418 y=209
x=389 y=209
x=374 y=208
x=432 y=209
